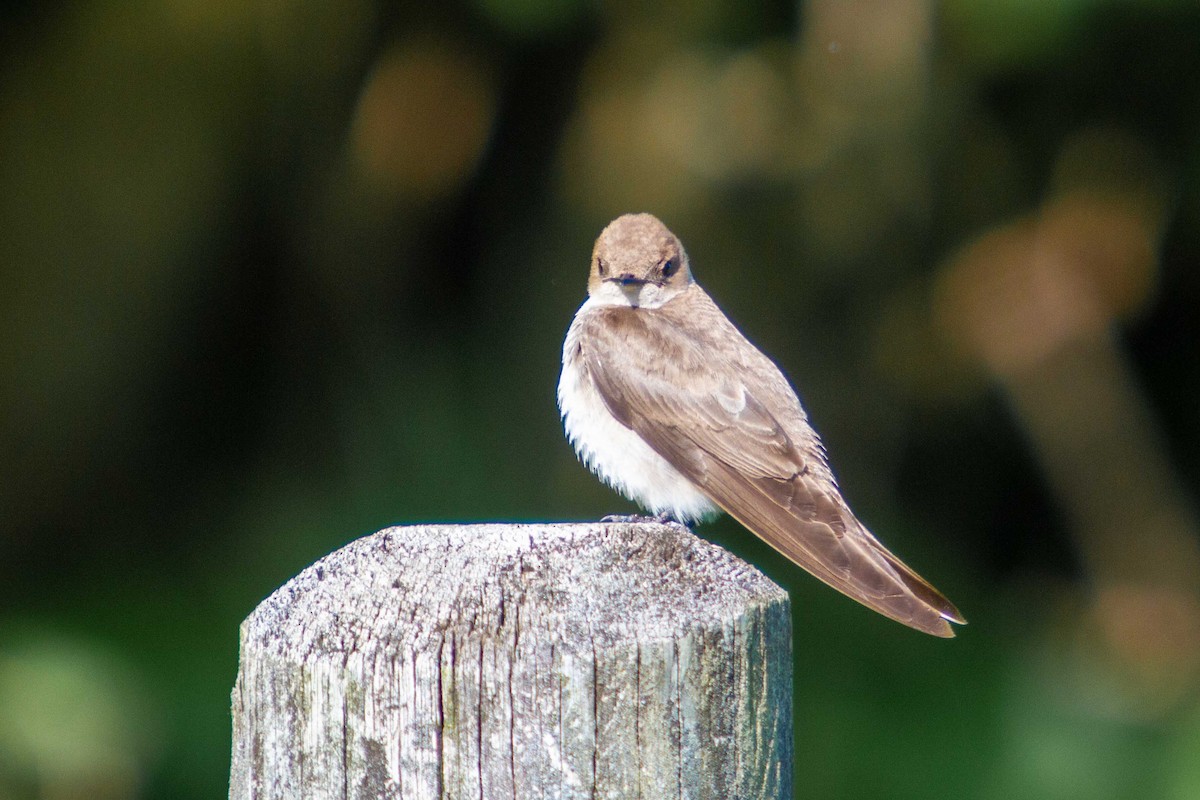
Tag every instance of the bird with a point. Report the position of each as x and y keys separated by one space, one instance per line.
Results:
x=668 y=403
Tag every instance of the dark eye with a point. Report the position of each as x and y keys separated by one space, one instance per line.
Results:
x=670 y=267
x=602 y=267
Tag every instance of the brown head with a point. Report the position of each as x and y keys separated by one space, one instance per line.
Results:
x=637 y=261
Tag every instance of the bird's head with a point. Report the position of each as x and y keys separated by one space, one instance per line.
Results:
x=638 y=262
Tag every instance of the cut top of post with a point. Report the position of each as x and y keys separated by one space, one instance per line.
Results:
x=605 y=583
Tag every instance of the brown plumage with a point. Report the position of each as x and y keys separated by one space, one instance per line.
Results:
x=677 y=373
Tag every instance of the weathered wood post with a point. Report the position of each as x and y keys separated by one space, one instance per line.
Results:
x=606 y=660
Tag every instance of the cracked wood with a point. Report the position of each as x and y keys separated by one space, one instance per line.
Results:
x=595 y=660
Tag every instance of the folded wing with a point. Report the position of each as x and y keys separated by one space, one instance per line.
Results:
x=702 y=409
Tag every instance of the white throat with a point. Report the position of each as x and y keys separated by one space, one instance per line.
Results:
x=644 y=295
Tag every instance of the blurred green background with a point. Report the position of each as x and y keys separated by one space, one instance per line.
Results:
x=275 y=275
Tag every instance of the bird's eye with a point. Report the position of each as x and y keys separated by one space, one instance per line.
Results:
x=670 y=267
x=602 y=267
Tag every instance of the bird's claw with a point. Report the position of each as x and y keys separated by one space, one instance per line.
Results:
x=628 y=518
x=662 y=519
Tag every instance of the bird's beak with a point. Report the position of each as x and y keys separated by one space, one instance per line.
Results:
x=630 y=285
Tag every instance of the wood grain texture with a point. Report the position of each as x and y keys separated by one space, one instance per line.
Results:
x=588 y=660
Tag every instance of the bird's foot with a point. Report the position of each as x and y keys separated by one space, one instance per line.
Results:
x=662 y=519
x=633 y=518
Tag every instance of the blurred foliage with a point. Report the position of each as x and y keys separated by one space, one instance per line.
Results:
x=276 y=275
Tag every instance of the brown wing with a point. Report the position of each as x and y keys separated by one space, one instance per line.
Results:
x=696 y=403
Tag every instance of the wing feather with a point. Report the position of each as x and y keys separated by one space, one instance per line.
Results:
x=707 y=408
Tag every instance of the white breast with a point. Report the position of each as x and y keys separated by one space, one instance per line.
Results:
x=614 y=452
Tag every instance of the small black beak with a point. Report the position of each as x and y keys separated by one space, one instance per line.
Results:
x=628 y=279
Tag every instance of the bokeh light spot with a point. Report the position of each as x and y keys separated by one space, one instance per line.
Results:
x=423 y=119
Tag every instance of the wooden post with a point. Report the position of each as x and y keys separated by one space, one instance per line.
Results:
x=596 y=660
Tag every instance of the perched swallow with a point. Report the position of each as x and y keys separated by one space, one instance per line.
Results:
x=669 y=404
